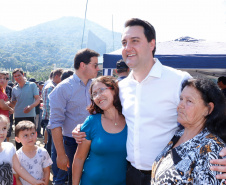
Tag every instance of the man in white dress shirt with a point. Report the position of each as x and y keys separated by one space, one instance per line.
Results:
x=149 y=97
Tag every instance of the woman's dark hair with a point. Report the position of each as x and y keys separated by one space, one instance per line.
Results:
x=109 y=81
x=215 y=121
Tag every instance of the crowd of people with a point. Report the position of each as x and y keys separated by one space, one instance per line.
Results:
x=153 y=125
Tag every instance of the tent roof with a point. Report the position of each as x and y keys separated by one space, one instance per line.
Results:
x=198 y=56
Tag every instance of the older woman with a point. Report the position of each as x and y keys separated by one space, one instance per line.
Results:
x=186 y=158
x=101 y=158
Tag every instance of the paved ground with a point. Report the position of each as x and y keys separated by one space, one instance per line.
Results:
x=40 y=142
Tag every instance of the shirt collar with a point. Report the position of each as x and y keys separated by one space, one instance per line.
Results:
x=156 y=71
x=54 y=83
x=76 y=78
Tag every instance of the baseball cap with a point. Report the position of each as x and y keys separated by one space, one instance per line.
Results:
x=121 y=65
x=32 y=80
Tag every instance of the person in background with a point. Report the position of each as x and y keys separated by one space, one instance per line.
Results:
x=186 y=158
x=221 y=82
x=58 y=175
x=66 y=74
x=8 y=90
x=5 y=109
x=37 y=111
x=68 y=102
x=34 y=159
x=49 y=80
x=25 y=98
x=122 y=70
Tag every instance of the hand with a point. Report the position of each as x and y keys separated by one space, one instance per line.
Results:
x=37 y=182
x=11 y=111
x=27 y=109
x=62 y=162
x=222 y=163
x=77 y=135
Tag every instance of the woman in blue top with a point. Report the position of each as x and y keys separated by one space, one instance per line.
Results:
x=101 y=158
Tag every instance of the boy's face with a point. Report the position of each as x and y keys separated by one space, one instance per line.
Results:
x=3 y=131
x=2 y=80
x=27 y=137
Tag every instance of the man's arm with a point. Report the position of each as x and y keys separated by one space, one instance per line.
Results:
x=62 y=158
x=221 y=163
x=30 y=107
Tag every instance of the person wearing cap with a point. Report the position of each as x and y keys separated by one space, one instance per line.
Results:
x=122 y=70
x=25 y=98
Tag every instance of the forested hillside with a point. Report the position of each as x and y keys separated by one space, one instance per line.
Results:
x=54 y=42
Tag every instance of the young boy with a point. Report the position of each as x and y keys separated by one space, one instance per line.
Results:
x=34 y=159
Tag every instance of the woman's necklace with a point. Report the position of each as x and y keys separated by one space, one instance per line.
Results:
x=114 y=121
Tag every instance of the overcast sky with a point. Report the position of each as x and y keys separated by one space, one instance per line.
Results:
x=202 y=19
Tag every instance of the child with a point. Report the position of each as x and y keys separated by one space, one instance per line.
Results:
x=34 y=159
x=8 y=158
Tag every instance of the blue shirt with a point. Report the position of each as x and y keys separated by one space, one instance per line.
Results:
x=68 y=102
x=24 y=96
x=46 y=109
x=106 y=163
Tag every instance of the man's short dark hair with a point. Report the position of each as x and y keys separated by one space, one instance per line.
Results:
x=84 y=55
x=66 y=74
x=58 y=72
x=24 y=125
x=222 y=79
x=18 y=69
x=121 y=66
x=149 y=30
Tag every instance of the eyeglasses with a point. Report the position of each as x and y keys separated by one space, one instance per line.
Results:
x=95 y=65
x=99 y=92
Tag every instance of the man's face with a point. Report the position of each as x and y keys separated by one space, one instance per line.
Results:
x=40 y=87
x=19 y=78
x=57 y=79
x=220 y=85
x=92 y=68
x=2 y=80
x=136 y=50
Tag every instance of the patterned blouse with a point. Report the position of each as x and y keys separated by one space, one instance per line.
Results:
x=188 y=163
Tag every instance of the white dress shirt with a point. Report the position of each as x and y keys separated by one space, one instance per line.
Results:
x=150 y=111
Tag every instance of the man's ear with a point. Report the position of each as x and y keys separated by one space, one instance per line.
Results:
x=152 y=44
x=82 y=65
x=17 y=139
